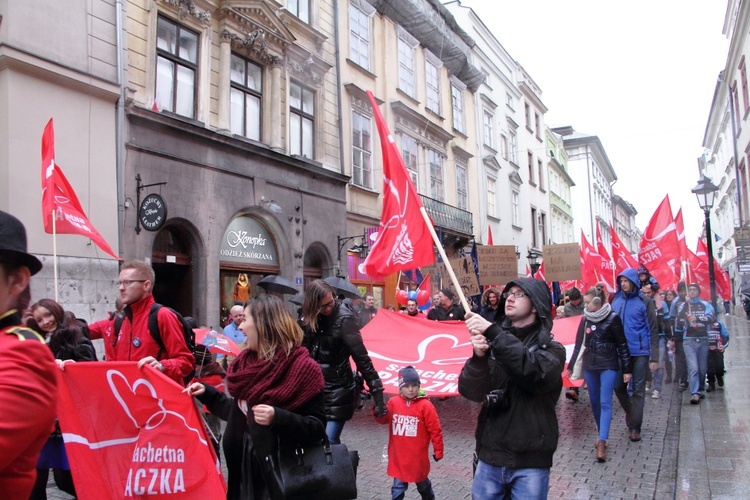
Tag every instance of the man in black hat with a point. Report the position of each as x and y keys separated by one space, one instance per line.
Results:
x=693 y=318
x=28 y=382
x=446 y=310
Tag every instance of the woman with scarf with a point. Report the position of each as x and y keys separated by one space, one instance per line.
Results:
x=606 y=355
x=275 y=396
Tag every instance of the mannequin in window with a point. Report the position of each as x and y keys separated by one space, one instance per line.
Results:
x=242 y=288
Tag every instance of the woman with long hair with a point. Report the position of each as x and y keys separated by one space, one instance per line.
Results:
x=275 y=396
x=332 y=336
x=67 y=339
x=602 y=333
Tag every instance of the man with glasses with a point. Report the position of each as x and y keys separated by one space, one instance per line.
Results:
x=694 y=318
x=447 y=309
x=134 y=341
x=516 y=372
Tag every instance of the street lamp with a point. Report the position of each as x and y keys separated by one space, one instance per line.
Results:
x=705 y=191
x=532 y=257
x=361 y=249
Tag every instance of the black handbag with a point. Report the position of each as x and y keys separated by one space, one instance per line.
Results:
x=311 y=471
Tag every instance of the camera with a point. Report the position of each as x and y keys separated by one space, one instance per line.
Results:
x=496 y=399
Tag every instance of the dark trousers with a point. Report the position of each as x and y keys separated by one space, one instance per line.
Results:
x=681 y=373
x=634 y=405
x=715 y=365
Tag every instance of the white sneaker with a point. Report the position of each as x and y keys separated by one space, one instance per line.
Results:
x=655 y=395
x=648 y=386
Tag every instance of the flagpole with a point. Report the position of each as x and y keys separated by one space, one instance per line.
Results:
x=448 y=266
x=54 y=252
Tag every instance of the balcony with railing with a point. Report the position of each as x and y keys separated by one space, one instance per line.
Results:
x=448 y=217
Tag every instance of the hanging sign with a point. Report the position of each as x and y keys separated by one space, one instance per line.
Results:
x=152 y=212
x=246 y=240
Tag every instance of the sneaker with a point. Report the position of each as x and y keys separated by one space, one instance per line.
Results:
x=655 y=395
x=720 y=380
x=695 y=399
x=710 y=388
x=648 y=386
x=572 y=394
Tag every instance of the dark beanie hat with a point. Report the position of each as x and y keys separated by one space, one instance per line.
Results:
x=448 y=293
x=408 y=376
x=695 y=285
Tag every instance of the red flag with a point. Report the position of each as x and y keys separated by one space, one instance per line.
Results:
x=680 y=226
x=489 y=235
x=606 y=276
x=659 y=249
x=621 y=254
x=528 y=271
x=58 y=196
x=591 y=264
x=136 y=428
x=721 y=277
x=404 y=241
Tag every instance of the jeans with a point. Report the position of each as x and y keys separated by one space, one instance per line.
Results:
x=696 y=355
x=634 y=405
x=398 y=490
x=659 y=373
x=601 y=385
x=333 y=430
x=508 y=482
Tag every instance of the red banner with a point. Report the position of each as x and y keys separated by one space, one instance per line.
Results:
x=659 y=250
x=607 y=271
x=404 y=241
x=59 y=197
x=437 y=349
x=132 y=433
x=591 y=261
x=721 y=277
x=621 y=254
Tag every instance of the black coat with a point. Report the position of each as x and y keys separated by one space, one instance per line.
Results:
x=305 y=425
x=454 y=313
x=606 y=345
x=336 y=340
x=528 y=364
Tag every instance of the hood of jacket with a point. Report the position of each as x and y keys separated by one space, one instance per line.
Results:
x=540 y=298
x=632 y=276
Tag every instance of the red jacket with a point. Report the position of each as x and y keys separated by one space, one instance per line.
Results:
x=28 y=404
x=135 y=342
x=413 y=425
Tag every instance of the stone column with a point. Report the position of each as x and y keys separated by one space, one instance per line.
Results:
x=225 y=55
x=275 y=119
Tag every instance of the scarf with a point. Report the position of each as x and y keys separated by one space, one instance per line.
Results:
x=287 y=381
x=597 y=316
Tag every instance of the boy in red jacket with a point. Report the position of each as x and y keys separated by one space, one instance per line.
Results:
x=414 y=423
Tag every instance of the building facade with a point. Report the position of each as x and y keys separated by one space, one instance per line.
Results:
x=560 y=183
x=623 y=220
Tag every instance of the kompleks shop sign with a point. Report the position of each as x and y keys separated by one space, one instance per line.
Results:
x=246 y=240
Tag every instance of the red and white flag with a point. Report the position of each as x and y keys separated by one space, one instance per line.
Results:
x=489 y=236
x=133 y=433
x=404 y=241
x=607 y=271
x=623 y=258
x=680 y=226
x=58 y=197
x=721 y=277
x=659 y=250
x=591 y=264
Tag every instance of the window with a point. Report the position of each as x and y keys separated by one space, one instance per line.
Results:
x=543 y=226
x=436 y=174
x=406 y=63
x=736 y=104
x=301 y=120
x=457 y=98
x=513 y=147
x=409 y=154
x=537 y=128
x=359 y=35
x=462 y=192
x=533 y=228
x=527 y=114
x=176 y=67
x=531 y=168
x=515 y=208
x=432 y=83
x=245 y=97
x=491 y=197
x=509 y=101
x=743 y=78
x=540 y=178
x=300 y=8
x=504 y=146
x=362 y=150
x=489 y=130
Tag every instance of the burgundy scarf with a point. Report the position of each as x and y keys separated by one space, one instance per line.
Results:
x=287 y=381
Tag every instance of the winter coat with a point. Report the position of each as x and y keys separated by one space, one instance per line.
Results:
x=638 y=315
x=528 y=364
x=336 y=340
x=489 y=313
x=606 y=345
x=305 y=425
x=454 y=313
x=704 y=316
x=413 y=425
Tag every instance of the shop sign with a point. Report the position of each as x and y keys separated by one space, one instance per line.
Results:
x=152 y=212
x=247 y=241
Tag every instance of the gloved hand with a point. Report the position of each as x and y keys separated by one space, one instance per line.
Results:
x=436 y=458
x=380 y=411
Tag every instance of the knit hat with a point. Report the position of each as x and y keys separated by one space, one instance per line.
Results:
x=408 y=376
x=695 y=285
x=448 y=293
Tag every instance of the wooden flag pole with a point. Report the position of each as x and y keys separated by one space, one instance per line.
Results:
x=54 y=253
x=454 y=280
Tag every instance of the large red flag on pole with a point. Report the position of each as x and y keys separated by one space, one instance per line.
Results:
x=723 y=283
x=623 y=258
x=607 y=273
x=61 y=211
x=659 y=250
x=591 y=263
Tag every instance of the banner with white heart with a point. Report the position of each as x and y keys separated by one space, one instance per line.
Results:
x=132 y=433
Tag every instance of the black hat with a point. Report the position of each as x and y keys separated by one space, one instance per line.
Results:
x=695 y=285
x=408 y=376
x=13 y=243
x=448 y=293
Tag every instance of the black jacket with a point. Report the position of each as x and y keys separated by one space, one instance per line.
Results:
x=528 y=364
x=336 y=340
x=489 y=313
x=606 y=345
x=305 y=425
x=454 y=313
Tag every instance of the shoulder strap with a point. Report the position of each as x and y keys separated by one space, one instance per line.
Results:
x=24 y=333
x=153 y=328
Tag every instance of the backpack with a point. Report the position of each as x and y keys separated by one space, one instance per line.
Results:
x=153 y=329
